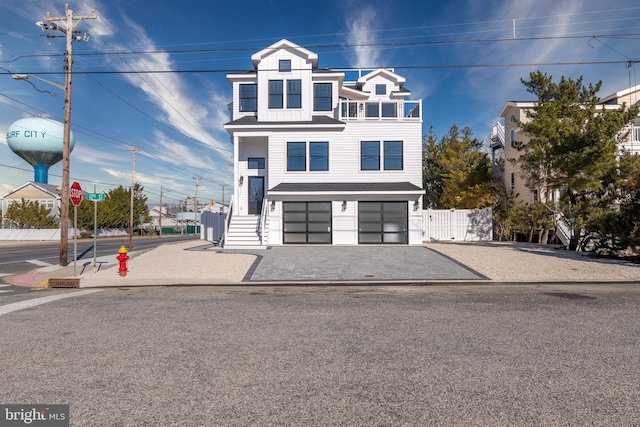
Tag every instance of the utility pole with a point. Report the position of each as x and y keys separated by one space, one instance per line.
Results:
x=160 y=217
x=133 y=150
x=68 y=22
x=223 y=185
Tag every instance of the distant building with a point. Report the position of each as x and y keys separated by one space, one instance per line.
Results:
x=45 y=194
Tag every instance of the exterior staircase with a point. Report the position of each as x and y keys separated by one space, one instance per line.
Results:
x=244 y=233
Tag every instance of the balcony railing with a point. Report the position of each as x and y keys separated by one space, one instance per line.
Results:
x=380 y=110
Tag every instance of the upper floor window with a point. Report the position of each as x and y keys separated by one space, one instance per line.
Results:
x=393 y=155
x=284 y=65
x=322 y=96
x=248 y=97
x=370 y=155
x=296 y=156
x=294 y=94
x=512 y=136
x=512 y=118
x=275 y=93
x=255 y=163
x=318 y=156
x=381 y=89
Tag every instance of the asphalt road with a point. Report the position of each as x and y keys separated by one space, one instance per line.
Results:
x=316 y=356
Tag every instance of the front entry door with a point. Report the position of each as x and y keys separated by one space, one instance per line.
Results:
x=256 y=194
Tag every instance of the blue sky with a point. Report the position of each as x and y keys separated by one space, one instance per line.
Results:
x=448 y=51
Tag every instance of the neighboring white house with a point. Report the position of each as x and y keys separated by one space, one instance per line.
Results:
x=45 y=194
x=320 y=159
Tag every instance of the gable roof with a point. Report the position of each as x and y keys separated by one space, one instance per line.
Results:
x=287 y=45
x=397 y=78
x=50 y=189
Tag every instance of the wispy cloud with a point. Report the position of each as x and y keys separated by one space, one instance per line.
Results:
x=360 y=25
x=168 y=92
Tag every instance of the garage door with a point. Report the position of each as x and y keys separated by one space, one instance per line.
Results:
x=382 y=222
x=307 y=222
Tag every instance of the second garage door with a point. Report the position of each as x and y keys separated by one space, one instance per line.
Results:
x=382 y=222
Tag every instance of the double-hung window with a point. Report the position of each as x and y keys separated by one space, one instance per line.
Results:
x=370 y=155
x=248 y=97
x=393 y=155
x=294 y=93
x=322 y=96
x=296 y=156
x=275 y=93
x=318 y=156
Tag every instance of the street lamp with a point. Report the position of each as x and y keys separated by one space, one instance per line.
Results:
x=26 y=77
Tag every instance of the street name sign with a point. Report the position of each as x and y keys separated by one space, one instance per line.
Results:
x=96 y=197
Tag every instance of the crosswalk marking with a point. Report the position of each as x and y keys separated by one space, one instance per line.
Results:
x=38 y=262
x=9 y=308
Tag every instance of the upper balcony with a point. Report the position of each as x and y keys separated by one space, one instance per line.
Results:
x=382 y=110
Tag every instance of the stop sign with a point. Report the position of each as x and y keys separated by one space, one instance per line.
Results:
x=75 y=193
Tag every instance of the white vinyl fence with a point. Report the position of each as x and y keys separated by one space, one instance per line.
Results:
x=457 y=224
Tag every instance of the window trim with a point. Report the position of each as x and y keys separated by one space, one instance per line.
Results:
x=325 y=156
x=273 y=96
x=282 y=62
x=362 y=144
x=317 y=98
x=241 y=98
x=297 y=96
x=392 y=157
x=290 y=157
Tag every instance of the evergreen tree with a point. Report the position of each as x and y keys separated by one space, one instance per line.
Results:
x=114 y=212
x=29 y=214
x=573 y=146
x=456 y=173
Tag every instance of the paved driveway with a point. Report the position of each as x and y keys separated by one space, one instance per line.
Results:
x=354 y=263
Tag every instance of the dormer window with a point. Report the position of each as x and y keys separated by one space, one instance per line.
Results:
x=284 y=65
x=381 y=89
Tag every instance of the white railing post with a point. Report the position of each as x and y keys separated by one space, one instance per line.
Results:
x=227 y=220
x=263 y=218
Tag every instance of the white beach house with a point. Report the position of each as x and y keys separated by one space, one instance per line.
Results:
x=320 y=158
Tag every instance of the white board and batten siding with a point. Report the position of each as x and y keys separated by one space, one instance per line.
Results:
x=457 y=225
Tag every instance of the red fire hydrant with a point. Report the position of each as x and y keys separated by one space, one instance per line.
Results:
x=123 y=260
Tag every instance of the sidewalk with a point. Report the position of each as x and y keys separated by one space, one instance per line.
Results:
x=201 y=263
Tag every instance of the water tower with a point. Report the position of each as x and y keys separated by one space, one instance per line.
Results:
x=38 y=141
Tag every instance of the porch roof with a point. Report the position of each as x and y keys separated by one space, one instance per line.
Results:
x=347 y=187
x=253 y=121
